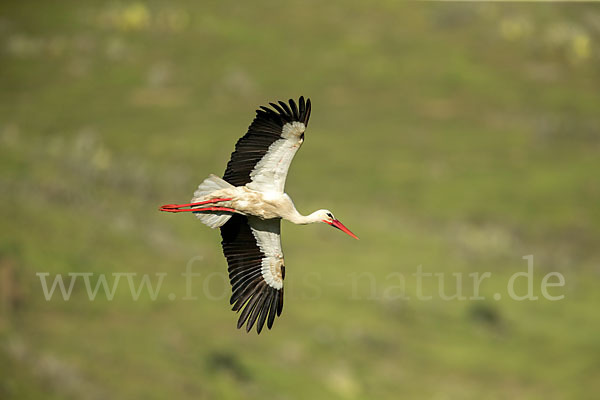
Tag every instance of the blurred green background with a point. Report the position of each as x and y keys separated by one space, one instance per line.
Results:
x=458 y=137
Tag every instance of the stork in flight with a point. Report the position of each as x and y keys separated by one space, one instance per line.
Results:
x=248 y=205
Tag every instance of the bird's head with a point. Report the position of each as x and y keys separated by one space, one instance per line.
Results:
x=327 y=217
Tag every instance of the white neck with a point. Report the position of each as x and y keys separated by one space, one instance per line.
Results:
x=300 y=219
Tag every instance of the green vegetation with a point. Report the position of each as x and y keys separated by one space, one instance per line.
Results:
x=458 y=137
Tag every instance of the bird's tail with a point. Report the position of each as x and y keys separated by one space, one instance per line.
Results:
x=211 y=184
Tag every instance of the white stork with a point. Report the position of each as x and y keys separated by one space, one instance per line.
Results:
x=248 y=205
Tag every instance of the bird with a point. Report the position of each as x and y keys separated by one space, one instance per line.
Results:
x=248 y=204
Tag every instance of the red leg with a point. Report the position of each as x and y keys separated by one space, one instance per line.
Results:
x=200 y=209
x=180 y=207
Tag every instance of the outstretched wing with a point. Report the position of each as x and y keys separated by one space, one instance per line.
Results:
x=253 y=250
x=263 y=155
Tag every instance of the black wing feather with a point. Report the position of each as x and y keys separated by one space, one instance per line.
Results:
x=294 y=109
x=287 y=110
x=272 y=309
x=302 y=106
x=264 y=310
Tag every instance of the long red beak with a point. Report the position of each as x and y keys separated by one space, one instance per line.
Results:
x=341 y=227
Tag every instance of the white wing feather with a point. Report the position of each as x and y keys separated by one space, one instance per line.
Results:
x=268 y=238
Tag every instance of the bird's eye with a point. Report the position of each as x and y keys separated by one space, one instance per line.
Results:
x=330 y=215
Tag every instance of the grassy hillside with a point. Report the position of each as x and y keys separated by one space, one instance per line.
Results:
x=455 y=138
